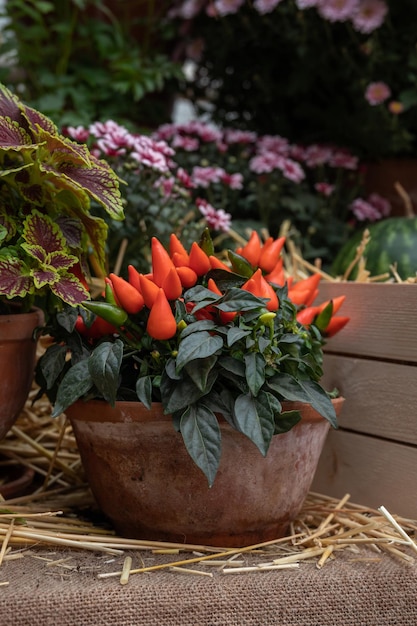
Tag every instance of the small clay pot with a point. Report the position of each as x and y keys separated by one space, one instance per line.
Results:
x=17 y=363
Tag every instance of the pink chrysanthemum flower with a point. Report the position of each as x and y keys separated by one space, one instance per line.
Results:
x=369 y=16
x=293 y=171
x=306 y=4
x=325 y=189
x=205 y=176
x=343 y=159
x=337 y=10
x=234 y=181
x=189 y=144
x=78 y=133
x=217 y=219
x=377 y=92
x=220 y=8
x=316 y=154
x=372 y=209
x=265 y=6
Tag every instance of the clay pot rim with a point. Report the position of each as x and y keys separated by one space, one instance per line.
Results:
x=106 y=413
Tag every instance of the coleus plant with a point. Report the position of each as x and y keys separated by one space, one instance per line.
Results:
x=47 y=230
x=203 y=337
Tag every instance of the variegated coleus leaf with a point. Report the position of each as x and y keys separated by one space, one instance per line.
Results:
x=9 y=104
x=8 y=223
x=15 y=279
x=70 y=290
x=13 y=136
x=40 y=230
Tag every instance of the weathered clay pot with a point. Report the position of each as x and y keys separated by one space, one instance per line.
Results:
x=17 y=362
x=147 y=485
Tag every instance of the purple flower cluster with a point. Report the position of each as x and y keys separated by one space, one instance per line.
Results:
x=364 y=15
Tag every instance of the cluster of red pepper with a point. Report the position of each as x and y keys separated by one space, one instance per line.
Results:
x=176 y=270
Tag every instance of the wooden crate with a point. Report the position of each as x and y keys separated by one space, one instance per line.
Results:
x=373 y=362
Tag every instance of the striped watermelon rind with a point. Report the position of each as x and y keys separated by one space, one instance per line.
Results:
x=393 y=240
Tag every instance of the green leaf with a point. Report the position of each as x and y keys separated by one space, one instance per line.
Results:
x=304 y=391
x=255 y=419
x=199 y=372
x=76 y=382
x=285 y=421
x=201 y=433
x=144 y=390
x=197 y=346
x=176 y=395
x=255 y=371
x=52 y=363
x=234 y=334
x=104 y=367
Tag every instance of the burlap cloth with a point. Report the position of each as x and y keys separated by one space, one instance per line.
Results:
x=348 y=591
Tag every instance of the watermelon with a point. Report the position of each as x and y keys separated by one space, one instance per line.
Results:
x=393 y=240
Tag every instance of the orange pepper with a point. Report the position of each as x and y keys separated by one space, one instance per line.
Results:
x=216 y=264
x=179 y=260
x=252 y=250
x=199 y=260
x=161 y=262
x=337 y=303
x=187 y=276
x=172 y=285
x=176 y=247
x=258 y=286
x=225 y=316
x=134 y=277
x=149 y=290
x=336 y=323
x=306 y=316
x=270 y=253
x=161 y=321
x=276 y=275
x=131 y=300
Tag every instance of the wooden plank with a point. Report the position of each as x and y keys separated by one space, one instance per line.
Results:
x=373 y=471
x=383 y=320
x=381 y=397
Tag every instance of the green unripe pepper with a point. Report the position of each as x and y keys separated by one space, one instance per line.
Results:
x=107 y=311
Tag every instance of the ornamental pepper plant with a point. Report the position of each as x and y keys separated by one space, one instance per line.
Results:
x=202 y=335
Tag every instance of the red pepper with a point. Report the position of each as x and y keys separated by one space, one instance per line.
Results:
x=172 y=285
x=99 y=328
x=149 y=290
x=216 y=264
x=336 y=323
x=161 y=321
x=270 y=253
x=179 y=260
x=225 y=316
x=337 y=303
x=306 y=316
x=199 y=260
x=134 y=277
x=258 y=286
x=161 y=262
x=276 y=275
x=131 y=300
x=176 y=247
x=252 y=250
x=187 y=276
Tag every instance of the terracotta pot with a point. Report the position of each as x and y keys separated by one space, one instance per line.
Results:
x=17 y=362
x=147 y=485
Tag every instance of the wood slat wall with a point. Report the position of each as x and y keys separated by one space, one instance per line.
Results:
x=373 y=471
x=383 y=320
x=373 y=363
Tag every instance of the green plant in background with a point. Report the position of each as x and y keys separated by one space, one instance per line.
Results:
x=47 y=232
x=310 y=70
x=84 y=60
